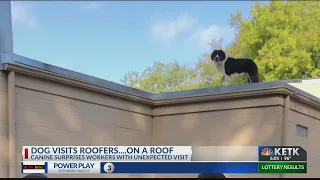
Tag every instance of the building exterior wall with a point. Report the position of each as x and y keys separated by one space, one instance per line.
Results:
x=4 y=144
x=306 y=116
x=49 y=113
x=234 y=122
x=53 y=113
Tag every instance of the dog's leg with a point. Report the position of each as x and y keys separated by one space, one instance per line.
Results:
x=222 y=79
x=227 y=80
x=249 y=78
x=246 y=77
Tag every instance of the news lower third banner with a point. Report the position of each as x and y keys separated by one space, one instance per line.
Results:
x=163 y=159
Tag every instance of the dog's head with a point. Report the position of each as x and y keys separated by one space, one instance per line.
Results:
x=218 y=56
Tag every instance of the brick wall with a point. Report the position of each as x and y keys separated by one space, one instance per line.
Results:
x=308 y=117
x=76 y=116
x=4 y=145
x=249 y=122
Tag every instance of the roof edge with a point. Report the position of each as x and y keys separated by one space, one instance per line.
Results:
x=235 y=91
x=32 y=67
x=27 y=63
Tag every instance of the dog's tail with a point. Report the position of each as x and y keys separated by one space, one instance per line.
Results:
x=254 y=75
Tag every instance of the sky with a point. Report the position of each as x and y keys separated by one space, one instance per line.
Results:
x=108 y=39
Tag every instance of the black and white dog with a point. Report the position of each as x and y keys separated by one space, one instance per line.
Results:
x=229 y=66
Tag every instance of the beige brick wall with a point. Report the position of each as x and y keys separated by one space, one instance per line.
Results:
x=4 y=171
x=255 y=122
x=55 y=114
x=301 y=114
x=51 y=113
x=221 y=128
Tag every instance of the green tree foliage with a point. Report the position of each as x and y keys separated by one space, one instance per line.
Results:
x=282 y=37
x=161 y=77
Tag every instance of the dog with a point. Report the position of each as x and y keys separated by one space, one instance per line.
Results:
x=229 y=66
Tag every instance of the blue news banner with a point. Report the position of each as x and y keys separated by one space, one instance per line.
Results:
x=143 y=167
x=180 y=167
